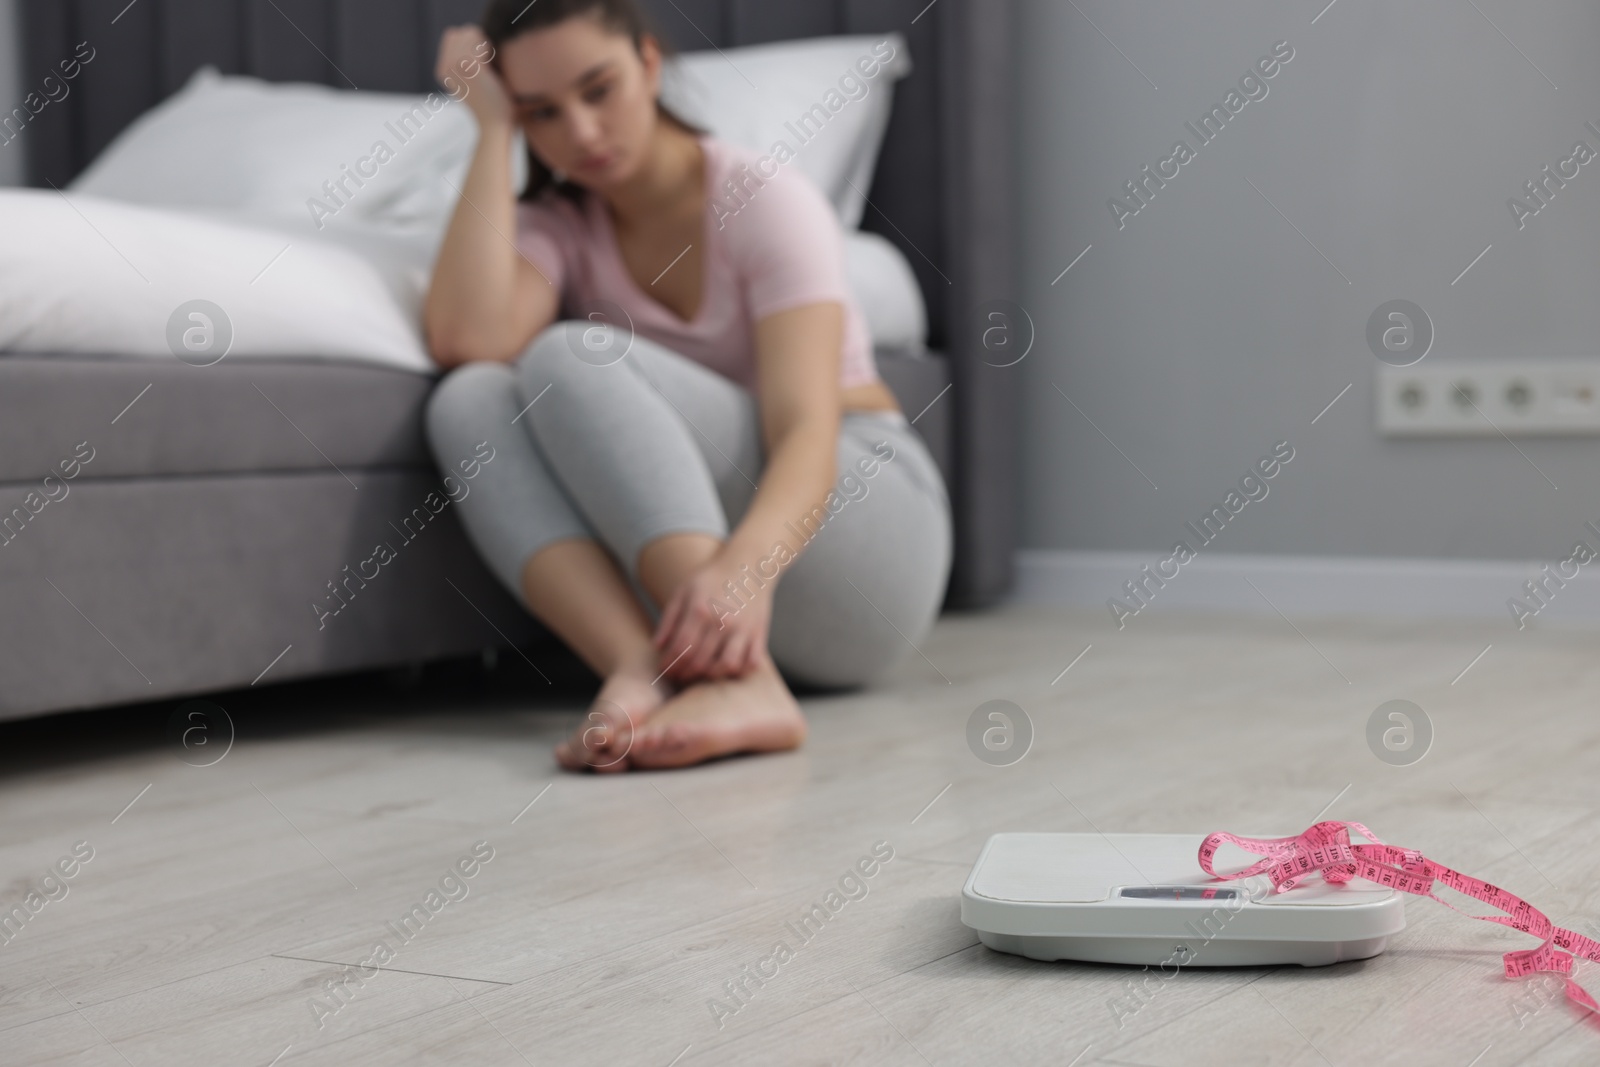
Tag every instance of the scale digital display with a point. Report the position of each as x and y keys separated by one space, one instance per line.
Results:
x=1179 y=892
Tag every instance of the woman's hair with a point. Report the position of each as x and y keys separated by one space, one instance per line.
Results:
x=505 y=19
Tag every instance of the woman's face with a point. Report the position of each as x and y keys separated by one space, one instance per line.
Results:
x=585 y=98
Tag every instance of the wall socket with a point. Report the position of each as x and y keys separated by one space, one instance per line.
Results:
x=1489 y=398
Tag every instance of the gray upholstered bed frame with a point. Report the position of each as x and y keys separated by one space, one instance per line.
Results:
x=214 y=507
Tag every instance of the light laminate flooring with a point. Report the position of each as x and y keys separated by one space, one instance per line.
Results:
x=219 y=906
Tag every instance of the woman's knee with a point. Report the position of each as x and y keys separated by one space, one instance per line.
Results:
x=572 y=345
x=465 y=398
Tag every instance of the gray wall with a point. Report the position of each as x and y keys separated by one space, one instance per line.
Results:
x=13 y=163
x=1208 y=328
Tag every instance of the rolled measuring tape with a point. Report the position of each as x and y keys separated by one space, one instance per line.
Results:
x=1326 y=849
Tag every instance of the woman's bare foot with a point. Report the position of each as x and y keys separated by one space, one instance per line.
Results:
x=755 y=713
x=604 y=738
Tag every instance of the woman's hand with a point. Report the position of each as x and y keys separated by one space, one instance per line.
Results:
x=706 y=633
x=465 y=72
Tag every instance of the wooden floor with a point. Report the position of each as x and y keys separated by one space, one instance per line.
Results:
x=614 y=909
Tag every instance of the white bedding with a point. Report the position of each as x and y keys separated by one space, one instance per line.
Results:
x=90 y=275
x=96 y=276
x=206 y=198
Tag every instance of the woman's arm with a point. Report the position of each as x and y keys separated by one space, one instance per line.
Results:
x=797 y=366
x=797 y=359
x=485 y=301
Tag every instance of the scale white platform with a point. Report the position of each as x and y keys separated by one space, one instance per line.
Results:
x=1143 y=899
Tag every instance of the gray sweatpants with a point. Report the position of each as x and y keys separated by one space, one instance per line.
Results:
x=623 y=451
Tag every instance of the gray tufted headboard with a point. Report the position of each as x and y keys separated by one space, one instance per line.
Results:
x=942 y=192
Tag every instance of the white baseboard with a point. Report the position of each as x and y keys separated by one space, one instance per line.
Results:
x=1308 y=585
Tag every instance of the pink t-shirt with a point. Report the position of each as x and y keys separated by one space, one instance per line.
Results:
x=771 y=243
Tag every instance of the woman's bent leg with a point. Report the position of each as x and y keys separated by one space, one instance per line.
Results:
x=648 y=447
x=514 y=507
x=533 y=539
x=657 y=451
x=868 y=586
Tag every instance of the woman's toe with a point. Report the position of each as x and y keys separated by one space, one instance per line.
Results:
x=567 y=757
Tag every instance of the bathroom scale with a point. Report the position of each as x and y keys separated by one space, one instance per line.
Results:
x=1143 y=899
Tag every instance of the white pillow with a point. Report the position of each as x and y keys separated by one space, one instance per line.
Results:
x=96 y=276
x=232 y=142
x=227 y=142
x=757 y=96
x=886 y=290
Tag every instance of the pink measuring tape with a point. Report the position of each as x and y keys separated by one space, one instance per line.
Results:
x=1326 y=848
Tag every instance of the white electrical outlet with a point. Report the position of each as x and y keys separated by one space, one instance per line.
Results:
x=1490 y=398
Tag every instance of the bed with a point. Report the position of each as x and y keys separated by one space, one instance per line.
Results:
x=206 y=513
